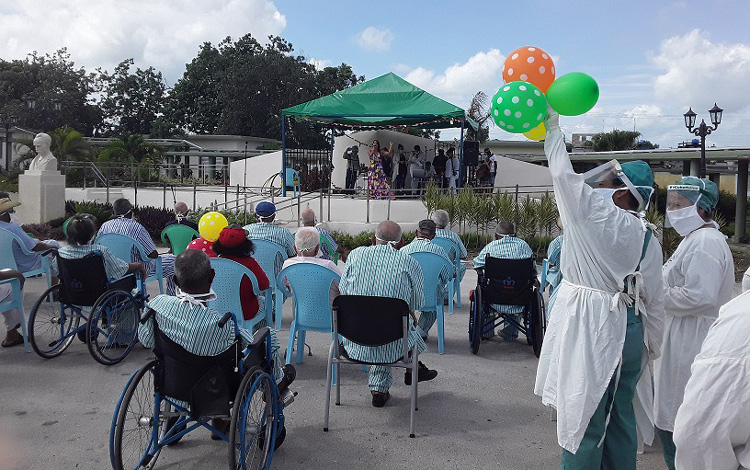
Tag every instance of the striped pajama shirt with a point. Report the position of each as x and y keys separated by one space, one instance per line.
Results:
x=273 y=233
x=453 y=236
x=383 y=271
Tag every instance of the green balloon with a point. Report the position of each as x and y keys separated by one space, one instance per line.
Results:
x=518 y=107
x=573 y=94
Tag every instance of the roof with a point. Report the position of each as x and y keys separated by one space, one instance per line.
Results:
x=385 y=101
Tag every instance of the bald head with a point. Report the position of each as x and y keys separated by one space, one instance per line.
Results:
x=180 y=208
x=308 y=217
x=389 y=232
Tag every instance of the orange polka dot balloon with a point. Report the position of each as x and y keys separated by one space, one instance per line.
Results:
x=530 y=64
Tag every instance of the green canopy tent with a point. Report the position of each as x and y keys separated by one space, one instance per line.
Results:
x=387 y=101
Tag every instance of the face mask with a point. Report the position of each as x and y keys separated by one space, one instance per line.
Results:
x=198 y=300
x=685 y=220
x=607 y=193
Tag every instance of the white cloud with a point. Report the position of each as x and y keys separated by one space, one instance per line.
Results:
x=319 y=64
x=461 y=81
x=165 y=34
x=697 y=73
x=374 y=39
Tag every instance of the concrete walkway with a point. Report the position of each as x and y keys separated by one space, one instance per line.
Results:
x=480 y=411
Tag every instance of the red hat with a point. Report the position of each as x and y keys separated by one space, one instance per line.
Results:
x=232 y=237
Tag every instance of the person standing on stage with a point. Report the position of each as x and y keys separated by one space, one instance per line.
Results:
x=379 y=187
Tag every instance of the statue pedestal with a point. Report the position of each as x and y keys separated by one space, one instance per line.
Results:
x=42 y=196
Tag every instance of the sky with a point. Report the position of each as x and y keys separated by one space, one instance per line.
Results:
x=651 y=59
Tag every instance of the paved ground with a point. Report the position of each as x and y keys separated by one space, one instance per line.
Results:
x=479 y=412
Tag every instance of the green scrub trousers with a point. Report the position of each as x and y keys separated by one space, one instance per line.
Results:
x=667 y=444
x=618 y=451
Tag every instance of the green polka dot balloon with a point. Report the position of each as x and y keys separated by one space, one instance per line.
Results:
x=518 y=107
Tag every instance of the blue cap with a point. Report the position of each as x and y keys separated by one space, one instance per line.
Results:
x=265 y=209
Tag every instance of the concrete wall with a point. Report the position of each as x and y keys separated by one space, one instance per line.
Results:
x=256 y=170
x=529 y=177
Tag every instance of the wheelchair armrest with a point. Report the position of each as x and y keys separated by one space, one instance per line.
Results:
x=227 y=316
x=259 y=337
x=149 y=314
x=46 y=252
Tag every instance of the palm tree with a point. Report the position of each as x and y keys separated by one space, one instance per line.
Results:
x=615 y=140
x=132 y=149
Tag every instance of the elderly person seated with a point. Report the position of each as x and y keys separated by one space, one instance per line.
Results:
x=23 y=261
x=382 y=270
x=266 y=230
x=442 y=220
x=124 y=224
x=233 y=244
x=181 y=213
x=309 y=220
x=423 y=243
x=12 y=317
x=307 y=246
x=186 y=320
x=81 y=231
x=505 y=246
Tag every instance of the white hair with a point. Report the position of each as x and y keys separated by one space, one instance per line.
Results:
x=441 y=218
x=306 y=239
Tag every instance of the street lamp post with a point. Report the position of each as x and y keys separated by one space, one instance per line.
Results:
x=7 y=122
x=703 y=130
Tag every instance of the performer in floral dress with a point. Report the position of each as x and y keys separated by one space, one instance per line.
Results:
x=379 y=186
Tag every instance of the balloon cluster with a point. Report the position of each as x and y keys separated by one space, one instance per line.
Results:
x=520 y=105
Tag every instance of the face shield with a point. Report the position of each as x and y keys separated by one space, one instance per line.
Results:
x=611 y=175
x=682 y=208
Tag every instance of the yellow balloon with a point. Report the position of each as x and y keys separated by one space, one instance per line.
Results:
x=211 y=225
x=537 y=133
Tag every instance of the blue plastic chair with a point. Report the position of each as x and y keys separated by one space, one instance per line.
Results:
x=292 y=180
x=226 y=284
x=8 y=261
x=271 y=256
x=453 y=253
x=312 y=309
x=431 y=265
x=16 y=301
x=543 y=276
x=130 y=251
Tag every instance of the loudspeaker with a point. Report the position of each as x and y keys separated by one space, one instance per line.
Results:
x=471 y=153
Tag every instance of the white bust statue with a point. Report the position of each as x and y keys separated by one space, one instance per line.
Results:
x=44 y=159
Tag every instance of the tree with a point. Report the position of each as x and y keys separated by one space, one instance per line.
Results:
x=47 y=92
x=131 y=149
x=615 y=140
x=479 y=112
x=240 y=87
x=132 y=101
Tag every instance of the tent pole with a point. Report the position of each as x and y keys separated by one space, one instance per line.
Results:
x=461 y=157
x=330 y=181
x=283 y=157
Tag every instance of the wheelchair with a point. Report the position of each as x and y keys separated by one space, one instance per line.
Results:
x=86 y=305
x=178 y=392
x=507 y=282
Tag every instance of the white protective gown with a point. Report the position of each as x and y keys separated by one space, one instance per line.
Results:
x=699 y=279
x=584 y=339
x=712 y=429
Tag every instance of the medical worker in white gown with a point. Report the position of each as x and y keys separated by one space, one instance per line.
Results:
x=699 y=279
x=600 y=335
x=712 y=429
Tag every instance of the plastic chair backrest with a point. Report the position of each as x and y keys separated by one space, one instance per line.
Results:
x=543 y=278
x=334 y=254
x=82 y=280
x=449 y=246
x=16 y=296
x=369 y=320
x=269 y=255
x=311 y=284
x=226 y=284
x=292 y=177
x=123 y=247
x=431 y=264
x=7 y=238
x=178 y=237
x=508 y=281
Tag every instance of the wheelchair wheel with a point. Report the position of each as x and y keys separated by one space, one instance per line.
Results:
x=252 y=432
x=476 y=318
x=538 y=323
x=52 y=325
x=112 y=329
x=132 y=442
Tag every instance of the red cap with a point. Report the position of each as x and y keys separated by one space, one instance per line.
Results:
x=232 y=237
